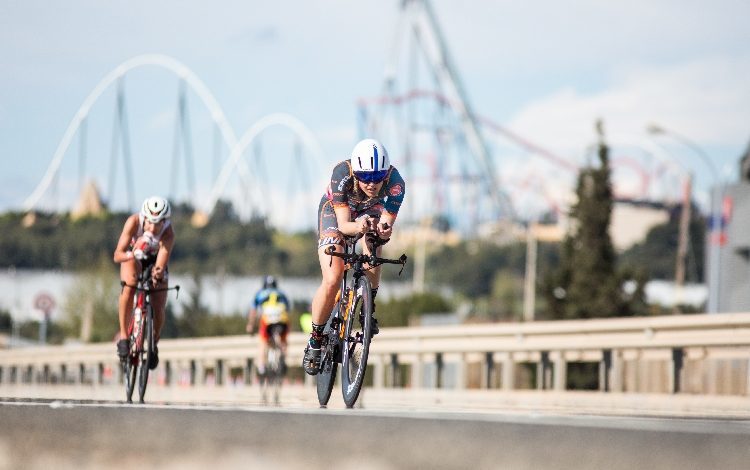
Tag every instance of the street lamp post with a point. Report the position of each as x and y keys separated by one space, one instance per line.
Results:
x=714 y=277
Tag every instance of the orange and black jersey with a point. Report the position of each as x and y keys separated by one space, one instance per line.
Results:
x=342 y=191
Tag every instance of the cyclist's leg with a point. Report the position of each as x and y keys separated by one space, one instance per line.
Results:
x=262 y=346
x=332 y=269
x=325 y=296
x=373 y=275
x=284 y=334
x=128 y=274
x=282 y=347
x=322 y=304
x=159 y=303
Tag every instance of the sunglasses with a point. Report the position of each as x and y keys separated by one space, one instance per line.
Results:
x=371 y=176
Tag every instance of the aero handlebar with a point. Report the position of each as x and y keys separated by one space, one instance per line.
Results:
x=148 y=289
x=372 y=260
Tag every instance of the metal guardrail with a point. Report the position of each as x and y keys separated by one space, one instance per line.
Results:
x=666 y=354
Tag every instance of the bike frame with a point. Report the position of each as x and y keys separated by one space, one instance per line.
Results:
x=337 y=337
x=141 y=326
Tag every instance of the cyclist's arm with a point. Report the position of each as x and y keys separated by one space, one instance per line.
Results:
x=252 y=316
x=348 y=226
x=396 y=191
x=122 y=251
x=162 y=257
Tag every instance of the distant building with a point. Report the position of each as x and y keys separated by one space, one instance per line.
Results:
x=89 y=202
x=734 y=242
x=632 y=220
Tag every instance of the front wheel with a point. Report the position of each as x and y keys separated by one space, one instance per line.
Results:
x=356 y=344
x=131 y=362
x=130 y=370
x=148 y=351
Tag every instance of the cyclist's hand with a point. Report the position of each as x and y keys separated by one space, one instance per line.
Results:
x=364 y=223
x=157 y=275
x=384 y=230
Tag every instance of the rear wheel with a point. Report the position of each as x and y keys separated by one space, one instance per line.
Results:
x=148 y=350
x=356 y=344
x=328 y=365
x=274 y=374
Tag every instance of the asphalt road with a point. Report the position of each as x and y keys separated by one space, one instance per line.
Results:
x=53 y=434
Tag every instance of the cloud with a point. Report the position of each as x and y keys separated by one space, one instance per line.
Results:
x=706 y=99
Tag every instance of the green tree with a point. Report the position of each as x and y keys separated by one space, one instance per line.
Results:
x=659 y=249
x=90 y=307
x=398 y=312
x=194 y=314
x=6 y=321
x=29 y=330
x=587 y=284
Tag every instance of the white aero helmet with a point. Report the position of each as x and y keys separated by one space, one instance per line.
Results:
x=370 y=161
x=155 y=209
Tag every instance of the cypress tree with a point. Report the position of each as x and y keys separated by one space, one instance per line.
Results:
x=587 y=283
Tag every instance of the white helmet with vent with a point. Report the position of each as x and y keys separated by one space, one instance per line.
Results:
x=155 y=209
x=370 y=155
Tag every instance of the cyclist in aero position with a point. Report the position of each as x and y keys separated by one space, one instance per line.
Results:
x=148 y=233
x=365 y=193
x=270 y=307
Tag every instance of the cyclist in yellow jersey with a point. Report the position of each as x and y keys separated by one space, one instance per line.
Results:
x=270 y=307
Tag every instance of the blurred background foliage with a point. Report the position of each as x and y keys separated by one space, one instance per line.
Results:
x=473 y=280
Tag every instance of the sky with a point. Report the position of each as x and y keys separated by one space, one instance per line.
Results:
x=543 y=70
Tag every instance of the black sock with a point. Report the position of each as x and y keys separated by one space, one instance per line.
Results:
x=374 y=293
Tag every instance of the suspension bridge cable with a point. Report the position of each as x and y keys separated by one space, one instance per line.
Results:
x=187 y=146
x=126 y=149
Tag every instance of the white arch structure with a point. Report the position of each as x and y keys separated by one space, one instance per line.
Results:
x=166 y=62
x=235 y=157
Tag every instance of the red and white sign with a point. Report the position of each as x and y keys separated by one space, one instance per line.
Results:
x=44 y=302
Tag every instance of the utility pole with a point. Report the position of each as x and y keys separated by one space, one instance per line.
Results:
x=682 y=242
x=420 y=258
x=534 y=233
x=529 y=286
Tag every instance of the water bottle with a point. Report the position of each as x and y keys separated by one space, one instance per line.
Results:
x=137 y=322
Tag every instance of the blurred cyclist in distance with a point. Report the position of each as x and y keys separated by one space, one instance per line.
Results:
x=270 y=307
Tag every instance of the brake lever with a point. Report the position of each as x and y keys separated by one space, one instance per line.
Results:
x=402 y=259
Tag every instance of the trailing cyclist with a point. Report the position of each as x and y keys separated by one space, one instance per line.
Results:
x=145 y=234
x=365 y=193
x=270 y=308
